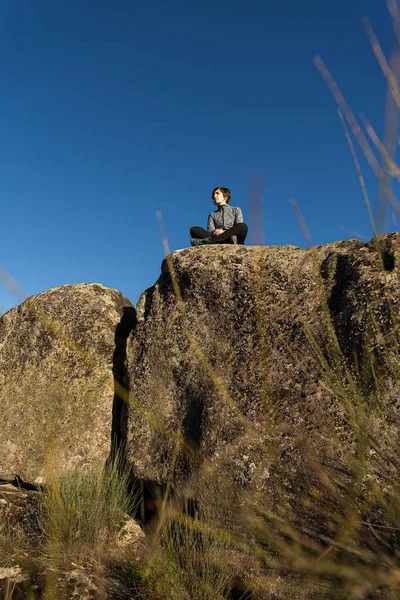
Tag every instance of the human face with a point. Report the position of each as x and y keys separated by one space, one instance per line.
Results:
x=219 y=198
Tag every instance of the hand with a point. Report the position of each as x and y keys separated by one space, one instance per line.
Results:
x=218 y=231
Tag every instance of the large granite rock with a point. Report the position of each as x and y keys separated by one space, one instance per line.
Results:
x=273 y=378
x=56 y=379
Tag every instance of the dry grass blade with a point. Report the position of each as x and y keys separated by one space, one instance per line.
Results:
x=359 y=172
x=387 y=71
x=395 y=14
x=356 y=234
x=346 y=110
x=391 y=125
x=256 y=209
x=358 y=134
x=163 y=234
x=394 y=221
x=301 y=222
x=12 y=286
x=391 y=166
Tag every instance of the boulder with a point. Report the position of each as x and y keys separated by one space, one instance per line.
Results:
x=56 y=379
x=268 y=375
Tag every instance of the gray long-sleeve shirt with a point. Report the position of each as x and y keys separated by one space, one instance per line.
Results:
x=225 y=217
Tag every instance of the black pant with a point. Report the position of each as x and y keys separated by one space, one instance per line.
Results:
x=240 y=230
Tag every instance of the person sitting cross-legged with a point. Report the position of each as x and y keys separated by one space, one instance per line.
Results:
x=225 y=225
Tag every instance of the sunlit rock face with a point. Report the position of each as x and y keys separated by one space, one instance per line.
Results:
x=270 y=374
x=56 y=380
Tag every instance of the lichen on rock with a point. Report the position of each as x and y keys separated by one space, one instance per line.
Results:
x=257 y=375
x=56 y=379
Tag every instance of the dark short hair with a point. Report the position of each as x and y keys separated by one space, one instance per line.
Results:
x=225 y=192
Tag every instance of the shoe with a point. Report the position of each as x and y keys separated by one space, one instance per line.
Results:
x=233 y=239
x=199 y=241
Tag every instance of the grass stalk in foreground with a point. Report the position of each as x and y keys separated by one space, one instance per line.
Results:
x=87 y=505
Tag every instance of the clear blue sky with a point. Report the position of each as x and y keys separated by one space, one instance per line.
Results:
x=111 y=111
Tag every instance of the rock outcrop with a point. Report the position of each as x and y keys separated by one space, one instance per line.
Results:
x=271 y=372
x=260 y=384
x=56 y=379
